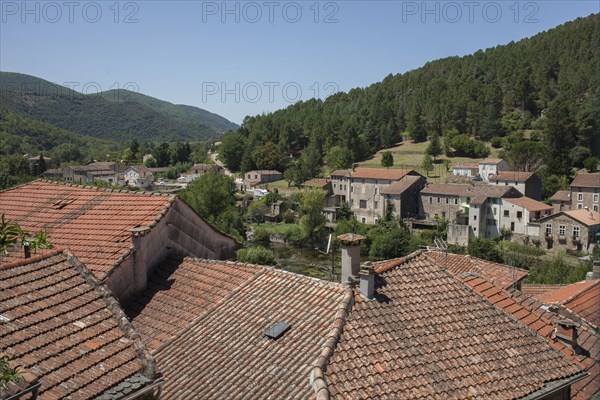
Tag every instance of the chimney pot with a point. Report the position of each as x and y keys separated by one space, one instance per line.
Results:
x=27 y=249
x=350 y=255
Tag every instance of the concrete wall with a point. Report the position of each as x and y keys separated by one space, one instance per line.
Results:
x=584 y=197
x=180 y=232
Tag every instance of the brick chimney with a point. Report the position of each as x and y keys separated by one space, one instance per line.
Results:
x=350 y=255
x=367 y=280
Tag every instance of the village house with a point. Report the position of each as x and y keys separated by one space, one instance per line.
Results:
x=401 y=196
x=332 y=201
x=200 y=169
x=572 y=230
x=471 y=210
x=66 y=329
x=255 y=178
x=585 y=191
x=108 y=172
x=34 y=162
x=491 y=167
x=362 y=189
x=521 y=216
x=470 y=170
x=561 y=200
x=138 y=176
x=119 y=235
x=527 y=183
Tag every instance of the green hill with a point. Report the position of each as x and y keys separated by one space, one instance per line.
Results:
x=511 y=88
x=124 y=117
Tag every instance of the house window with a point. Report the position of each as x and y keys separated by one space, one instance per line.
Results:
x=579 y=196
x=562 y=230
x=376 y=204
x=579 y=206
x=595 y=207
x=595 y=197
x=575 y=231
x=548 y=229
x=438 y=199
x=363 y=220
x=456 y=201
x=506 y=213
x=474 y=217
x=447 y=200
x=519 y=214
x=363 y=204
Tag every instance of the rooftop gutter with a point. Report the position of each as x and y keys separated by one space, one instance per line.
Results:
x=553 y=387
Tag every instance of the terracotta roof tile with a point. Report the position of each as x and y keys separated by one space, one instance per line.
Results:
x=586 y=180
x=93 y=223
x=588 y=342
x=224 y=309
x=589 y=218
x=497 y=274
x=466 y=190
x=398 y=187
x=529 y=204
x=561 y=195
x=435 y=338
x=582 y=298
x=518 y=176
x=68 y=330
x=317 y=182
x=535 y=290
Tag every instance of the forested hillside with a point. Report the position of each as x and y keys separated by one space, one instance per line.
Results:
x=108 y=116
x=543 y=88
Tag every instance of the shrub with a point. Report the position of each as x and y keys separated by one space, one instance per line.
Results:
x=261 y=235
x=256 y=255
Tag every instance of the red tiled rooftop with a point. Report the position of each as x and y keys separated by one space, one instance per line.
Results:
x=582 y=298
x=518 y=176
x=222 y=352
x=499 y=274
x=529 y=204
x=535 y=290
x=586 y=180
x=398 y=187
x=589 y=218
x=588 y=341
x=427 y=335
x=561 y=195
x=68 y=330
x=93 y=223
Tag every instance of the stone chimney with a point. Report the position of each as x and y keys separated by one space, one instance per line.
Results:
x=350 y=255
x=367 y=280
x=26 y=250
x=595 y=273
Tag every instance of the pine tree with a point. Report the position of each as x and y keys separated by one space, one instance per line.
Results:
x=387 y=159
x=435 y=148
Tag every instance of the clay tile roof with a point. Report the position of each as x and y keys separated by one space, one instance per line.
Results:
x=498 y=274
x=589 y=218
x=266 y=172
x=93 y=223
x=342 y=172
x=586 y=180
x=69 y=331
x=561 y=195
x=447 y=189
x=582 y=298
x=529 y=204
x=223 y=353
x=535 y=290
x=427 y=335
x=379 y=173
x=317 y=182
x=398 y=187
x=545 y=322
x=352 y=238
x=466 y=165
x=518 y=176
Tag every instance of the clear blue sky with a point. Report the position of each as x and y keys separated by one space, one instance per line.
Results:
x=246 y=58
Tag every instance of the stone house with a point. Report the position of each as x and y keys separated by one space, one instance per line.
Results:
x=561 y=200
x=258 y=177
x=521 y=215
x=362 y=189
x=403 y=196
x=585 y=191
x=200 y=169
x=138 y=176
x=527 y=183
x=108 y=172
x=572 y=230
x=490 y=167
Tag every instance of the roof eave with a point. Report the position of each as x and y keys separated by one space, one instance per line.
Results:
x=554 y=386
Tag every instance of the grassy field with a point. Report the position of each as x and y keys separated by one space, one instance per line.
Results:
x=409 y=155
x=281 y=186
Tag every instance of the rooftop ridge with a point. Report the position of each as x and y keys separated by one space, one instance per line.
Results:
x=400 y=260
x=99 y=189
x=317 y=374
x=25 y=261
x=148 y=363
